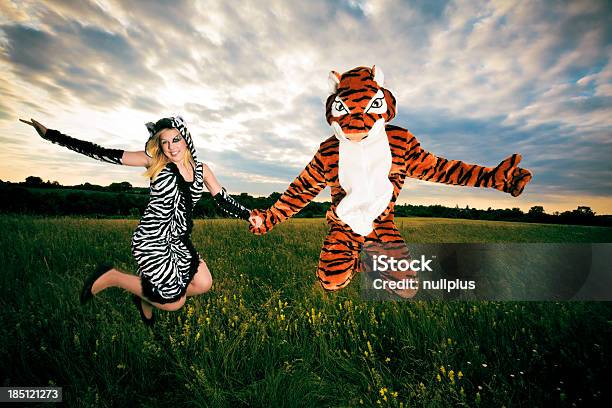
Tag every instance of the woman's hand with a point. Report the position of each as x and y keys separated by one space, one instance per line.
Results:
x=36 y=125
x=260 y=222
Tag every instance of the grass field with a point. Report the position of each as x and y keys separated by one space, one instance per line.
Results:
x=267 y=335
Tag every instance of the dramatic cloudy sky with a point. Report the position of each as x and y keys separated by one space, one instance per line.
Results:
x=475 y=81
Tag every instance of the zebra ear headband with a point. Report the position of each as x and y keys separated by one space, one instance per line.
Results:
x=151 y=128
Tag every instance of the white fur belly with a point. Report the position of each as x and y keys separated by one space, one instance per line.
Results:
x=363 y=172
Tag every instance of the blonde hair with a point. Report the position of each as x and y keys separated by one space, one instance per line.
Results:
x=159 y=159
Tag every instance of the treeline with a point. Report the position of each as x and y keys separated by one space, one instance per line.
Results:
x=582 y=215
x=38 y=197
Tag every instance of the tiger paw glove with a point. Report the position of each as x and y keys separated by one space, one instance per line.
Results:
x=269 y=221
x=510 y=178
x=84 y=147
x=228 y=204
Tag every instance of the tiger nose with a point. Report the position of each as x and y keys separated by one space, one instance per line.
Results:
x=357 y=120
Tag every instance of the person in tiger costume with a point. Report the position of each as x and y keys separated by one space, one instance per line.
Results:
x=365 y=163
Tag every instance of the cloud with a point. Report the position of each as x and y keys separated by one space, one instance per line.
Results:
x=28 y=48
x=475 y=81
x=146 y=103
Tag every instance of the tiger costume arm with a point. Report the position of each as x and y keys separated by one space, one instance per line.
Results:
x=300 y=192
x=506 y=176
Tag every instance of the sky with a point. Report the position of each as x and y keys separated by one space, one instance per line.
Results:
x=475 y=81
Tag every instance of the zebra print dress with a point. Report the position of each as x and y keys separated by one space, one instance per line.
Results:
x=161 y=244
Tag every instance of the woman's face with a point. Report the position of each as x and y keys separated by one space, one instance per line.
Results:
x=173 y=145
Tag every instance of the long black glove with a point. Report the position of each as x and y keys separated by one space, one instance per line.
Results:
x=87 y=148
x=228 y=204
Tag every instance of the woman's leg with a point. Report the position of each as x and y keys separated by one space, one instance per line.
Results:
x=131 y=283
x=201 y=282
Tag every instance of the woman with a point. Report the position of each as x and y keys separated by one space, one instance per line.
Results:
x=169 y=267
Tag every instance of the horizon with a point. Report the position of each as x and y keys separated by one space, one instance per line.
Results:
x=475 y=82
x=317 y=199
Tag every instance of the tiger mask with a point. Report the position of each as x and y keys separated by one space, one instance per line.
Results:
x=358 y=101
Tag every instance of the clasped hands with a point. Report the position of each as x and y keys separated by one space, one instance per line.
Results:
x=256 y=220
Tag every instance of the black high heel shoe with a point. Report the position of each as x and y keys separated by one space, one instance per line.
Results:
x=86 y=294
x=138 y=303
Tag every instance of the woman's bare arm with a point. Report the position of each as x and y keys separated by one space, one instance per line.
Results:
x=139 y=159
x=211 y=182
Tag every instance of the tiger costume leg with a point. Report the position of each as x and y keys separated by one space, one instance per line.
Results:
x=340 y=257
x=389 y=242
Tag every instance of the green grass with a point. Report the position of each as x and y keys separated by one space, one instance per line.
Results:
x=424 y=230
x=267 y=334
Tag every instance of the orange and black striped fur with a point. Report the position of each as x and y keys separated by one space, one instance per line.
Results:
x=339 y=257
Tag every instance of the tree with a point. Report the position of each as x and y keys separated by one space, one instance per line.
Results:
x=123 y=186
x=33 y=181
x=536 y=211
x=584 y=211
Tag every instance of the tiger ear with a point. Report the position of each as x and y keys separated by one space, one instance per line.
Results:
x=333 y=81
x=378 y=75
